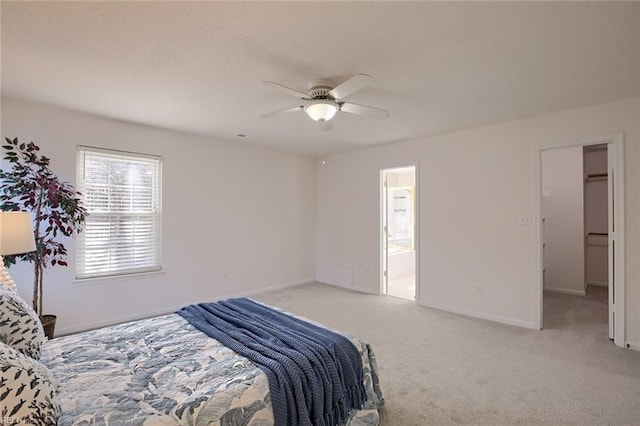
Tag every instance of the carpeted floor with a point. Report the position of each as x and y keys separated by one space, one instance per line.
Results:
x=438 y=368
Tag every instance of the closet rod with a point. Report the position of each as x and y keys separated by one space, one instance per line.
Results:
x=600 y=234
x=596 y=176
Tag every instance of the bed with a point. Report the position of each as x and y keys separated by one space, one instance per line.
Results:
x=164 y=371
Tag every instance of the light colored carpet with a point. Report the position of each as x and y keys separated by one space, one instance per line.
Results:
x=438 y=368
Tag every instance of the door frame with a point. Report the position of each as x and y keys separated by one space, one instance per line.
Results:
x=416 y=228
x=615 y=143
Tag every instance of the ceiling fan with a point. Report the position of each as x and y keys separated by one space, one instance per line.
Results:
x=324 y=100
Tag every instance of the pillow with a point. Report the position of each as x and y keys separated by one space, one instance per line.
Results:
x=27 y=390
x=5 y=278
x=20 y=326
x=8 y=285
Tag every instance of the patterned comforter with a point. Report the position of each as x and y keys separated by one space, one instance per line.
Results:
x=163 y=371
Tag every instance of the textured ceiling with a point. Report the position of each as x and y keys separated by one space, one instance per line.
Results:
x=437 y=67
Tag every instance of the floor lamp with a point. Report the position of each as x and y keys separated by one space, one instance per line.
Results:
x=16 y=237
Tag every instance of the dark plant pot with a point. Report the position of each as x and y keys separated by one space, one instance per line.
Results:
x=49 y=325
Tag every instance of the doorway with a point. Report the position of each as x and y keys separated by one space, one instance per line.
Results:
x=581 y=233
x=398 y=232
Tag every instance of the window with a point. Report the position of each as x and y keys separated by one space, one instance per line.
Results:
x=121 y=192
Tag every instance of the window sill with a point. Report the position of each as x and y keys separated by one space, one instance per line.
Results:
x=81 y=282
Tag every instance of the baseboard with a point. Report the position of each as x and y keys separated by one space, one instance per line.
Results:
x=480 y=315
x=327 y=281
x=634 y=346
x=365 y=290
x=598 y=283
x=565 y=291
x=168 y=310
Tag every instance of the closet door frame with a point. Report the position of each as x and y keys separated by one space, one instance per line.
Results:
x=615 y=147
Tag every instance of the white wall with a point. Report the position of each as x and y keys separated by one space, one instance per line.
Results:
x=562 y=182
x=228 y=208
x=474 y=187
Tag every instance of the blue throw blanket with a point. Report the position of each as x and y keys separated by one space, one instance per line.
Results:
x=315 y=375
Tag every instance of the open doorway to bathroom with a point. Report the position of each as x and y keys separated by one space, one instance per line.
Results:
x=398 y=232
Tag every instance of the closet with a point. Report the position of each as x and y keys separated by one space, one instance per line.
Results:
x=595 y=215
x=582 y=237
x=575 y=219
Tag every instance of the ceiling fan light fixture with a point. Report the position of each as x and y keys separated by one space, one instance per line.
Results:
x=321 y=109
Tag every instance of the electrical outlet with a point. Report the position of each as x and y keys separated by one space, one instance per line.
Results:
x=479 y=290
x=225 y=276
x=525 y=220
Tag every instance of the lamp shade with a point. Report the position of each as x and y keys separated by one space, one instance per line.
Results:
x=322 y=109
x=16 y=233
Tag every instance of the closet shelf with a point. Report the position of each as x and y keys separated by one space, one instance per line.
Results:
x=596 y=176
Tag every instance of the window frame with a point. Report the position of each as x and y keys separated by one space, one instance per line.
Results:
x=157 y=216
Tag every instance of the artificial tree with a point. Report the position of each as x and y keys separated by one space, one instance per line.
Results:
x=30 y=185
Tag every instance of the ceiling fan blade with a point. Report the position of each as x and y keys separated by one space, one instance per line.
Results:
x=289 y=90
x=282 y=111
x=355 y=83
x=325 y=126
x=367 y=111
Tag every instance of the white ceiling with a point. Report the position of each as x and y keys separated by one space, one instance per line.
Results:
x=437 y=67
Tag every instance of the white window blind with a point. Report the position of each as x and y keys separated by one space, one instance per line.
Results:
x=122 y=194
